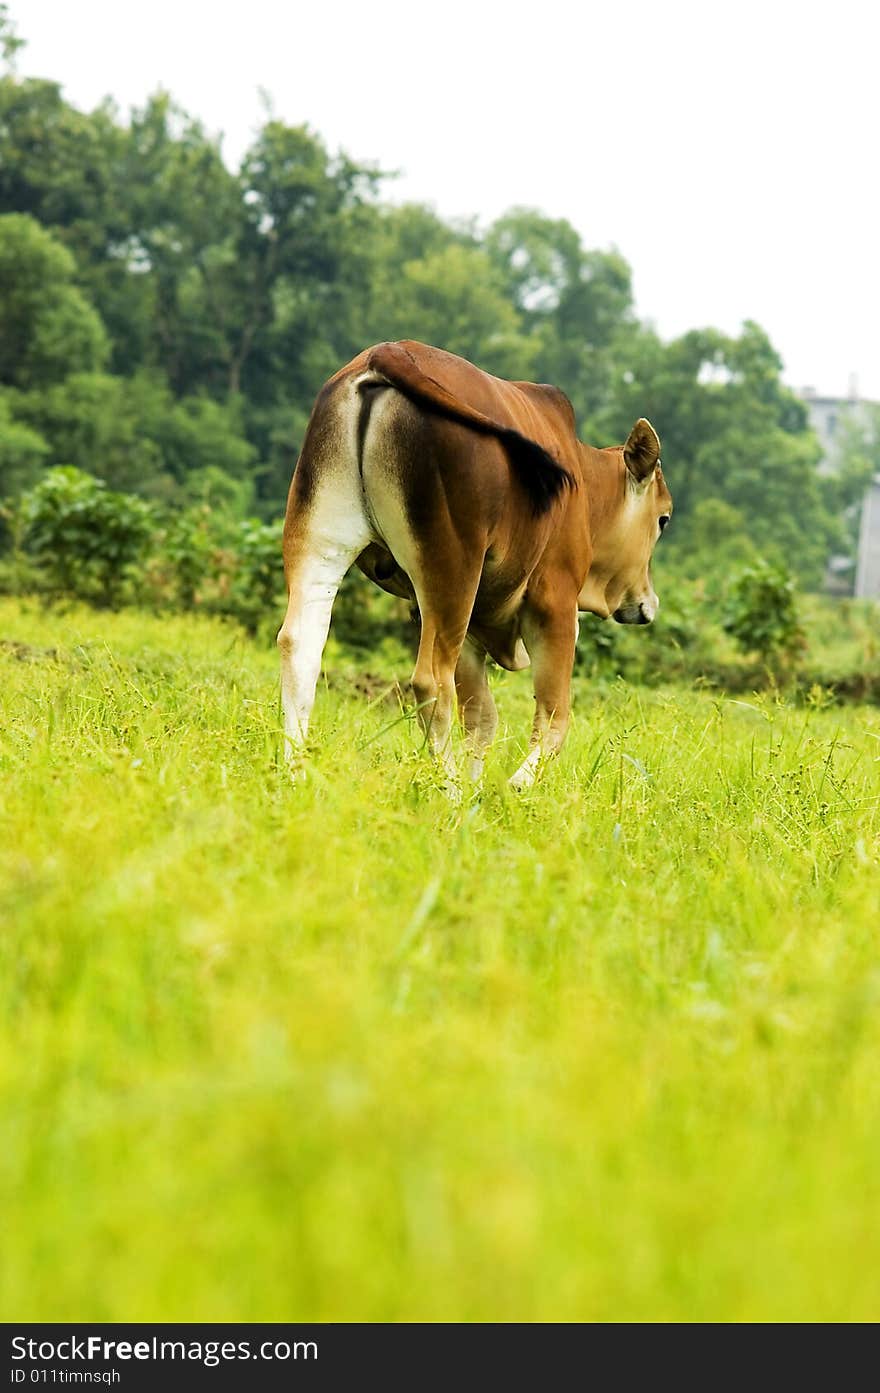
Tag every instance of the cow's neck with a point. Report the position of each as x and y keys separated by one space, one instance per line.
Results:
x=602 y=498
x=605 y=489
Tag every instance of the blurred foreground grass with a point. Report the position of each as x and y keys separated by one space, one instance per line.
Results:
x=607 y=1051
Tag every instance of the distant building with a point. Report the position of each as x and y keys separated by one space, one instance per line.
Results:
x=867 y=585
x=829 y=416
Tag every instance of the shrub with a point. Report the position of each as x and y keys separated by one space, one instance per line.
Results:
x=191 y=543
x=598 y=646
x=258 y=584
x=84 y=536
x=760 y=613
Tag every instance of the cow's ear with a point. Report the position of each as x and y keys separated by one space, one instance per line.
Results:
x=642 y=450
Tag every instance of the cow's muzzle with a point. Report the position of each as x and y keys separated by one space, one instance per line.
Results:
x=641 y=613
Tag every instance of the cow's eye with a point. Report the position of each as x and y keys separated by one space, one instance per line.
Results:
x=663 y=520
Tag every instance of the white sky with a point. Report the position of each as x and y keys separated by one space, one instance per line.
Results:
x=729 y=151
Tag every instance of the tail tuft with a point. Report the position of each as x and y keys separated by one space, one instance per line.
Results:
x=542 y=477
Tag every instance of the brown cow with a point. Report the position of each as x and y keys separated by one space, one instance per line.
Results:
x=473 y=497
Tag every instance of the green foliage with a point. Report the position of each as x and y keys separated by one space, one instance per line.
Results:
x=257 y=587
x=690 y=641
x=85 y=540
x=454 y=297
x=681 y=644
x=218 y=490
x=190 y=543
x=195 y=435
x=9 y=42
x=731 y=431
x=22 y=451
x=716 y=543
x=132 y=433
x=84 y=537
x=761 y=613
x=47 y=322
x=598 y=649
x=223 y=565
x=208 y=554
x=63 y=167
x=93 y=422
x=576 y=306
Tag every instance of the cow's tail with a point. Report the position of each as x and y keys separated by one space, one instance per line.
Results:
x=542 y=476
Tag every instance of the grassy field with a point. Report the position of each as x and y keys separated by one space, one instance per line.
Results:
x=609 y=1050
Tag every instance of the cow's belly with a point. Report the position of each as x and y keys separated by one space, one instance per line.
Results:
x=503 y=644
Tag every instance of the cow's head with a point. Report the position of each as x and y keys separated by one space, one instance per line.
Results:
x=627 y=524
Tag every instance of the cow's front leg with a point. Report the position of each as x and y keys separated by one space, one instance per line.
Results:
x=549 y=630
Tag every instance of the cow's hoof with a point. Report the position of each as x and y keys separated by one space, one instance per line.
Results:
x=452 y=790
x=527 y=772
x=521 y=780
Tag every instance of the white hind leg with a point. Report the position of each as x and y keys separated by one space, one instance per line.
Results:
x=301 y=640
x=319 y=554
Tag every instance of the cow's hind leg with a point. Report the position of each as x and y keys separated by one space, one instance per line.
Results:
x=322 y=541
x=429 y=513
x=476 y=705
x=445 y=600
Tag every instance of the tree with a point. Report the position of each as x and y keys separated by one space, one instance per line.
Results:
x=181 y=205
x=731 y=430
x=717 y=542
x=131 y=432
x=47 y=323
x=452 y=297
x=575 y=304
x=66 y=169
x=22 y=452
x=261 y=286
x=9 y=42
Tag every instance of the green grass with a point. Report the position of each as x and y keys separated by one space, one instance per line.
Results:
x=609 y=1050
